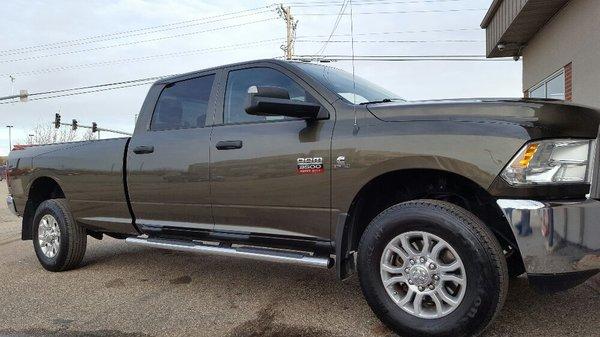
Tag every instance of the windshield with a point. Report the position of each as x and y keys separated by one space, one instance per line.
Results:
x=341 y=83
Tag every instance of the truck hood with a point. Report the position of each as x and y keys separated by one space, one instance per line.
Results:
x=544 y=118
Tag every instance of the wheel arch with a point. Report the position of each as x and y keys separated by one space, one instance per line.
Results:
x=398 y=186
x=41 y=189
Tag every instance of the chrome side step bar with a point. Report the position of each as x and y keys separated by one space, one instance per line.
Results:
x=263 y=254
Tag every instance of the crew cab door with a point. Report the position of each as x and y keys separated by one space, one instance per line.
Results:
x=256 y=184
x=168 y=157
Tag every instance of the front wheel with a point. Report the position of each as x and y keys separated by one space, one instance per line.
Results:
x=431 y=268
x=58 y=240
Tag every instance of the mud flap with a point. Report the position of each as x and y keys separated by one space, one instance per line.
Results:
x=345 y=262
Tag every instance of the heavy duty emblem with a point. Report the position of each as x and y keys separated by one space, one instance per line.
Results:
x=340 y=162
x=313 y=165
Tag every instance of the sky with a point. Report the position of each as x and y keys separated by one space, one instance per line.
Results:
x=406 y=27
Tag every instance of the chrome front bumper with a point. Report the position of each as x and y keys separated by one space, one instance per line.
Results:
x=10 y=203
x=556 y=237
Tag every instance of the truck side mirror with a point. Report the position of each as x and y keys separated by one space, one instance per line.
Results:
x=275 y=101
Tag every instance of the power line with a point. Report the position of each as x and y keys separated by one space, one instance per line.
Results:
x=81 y=92
x=392 y=41
x=396 y=56
x=147 y=79
x=144 y=58
x=400 y=58
x=132 y=42
x=95 y=86
x=323 y=58
x=141 y=31
x=120 y=61
x=335 y=25
x=401 y=12
x=359 y=2
x=398 y=32
x=363 y=3
x=424 y=60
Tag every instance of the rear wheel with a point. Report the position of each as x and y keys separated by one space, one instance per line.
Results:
x=59 y=242
x=429 y=267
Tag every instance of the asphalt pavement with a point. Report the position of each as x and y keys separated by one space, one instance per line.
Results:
x=133 y=291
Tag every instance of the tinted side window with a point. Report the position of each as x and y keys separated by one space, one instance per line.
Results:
x=183 y=105
x=238 y=82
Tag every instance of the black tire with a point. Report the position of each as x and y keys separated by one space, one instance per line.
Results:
x=73 y=238
x=482 y=256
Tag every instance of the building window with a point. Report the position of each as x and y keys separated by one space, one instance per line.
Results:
x=551 y=87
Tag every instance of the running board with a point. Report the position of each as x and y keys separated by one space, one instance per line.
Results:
x=262 y=254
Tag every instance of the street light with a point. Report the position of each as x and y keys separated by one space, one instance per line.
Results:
x=9 y=137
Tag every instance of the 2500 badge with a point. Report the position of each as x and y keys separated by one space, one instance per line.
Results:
x=310 y=165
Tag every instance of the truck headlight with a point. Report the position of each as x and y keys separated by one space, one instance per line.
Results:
x=555 y=161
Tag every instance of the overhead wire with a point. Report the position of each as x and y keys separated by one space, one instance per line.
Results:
x=327 y=58
x=366 y=2
x=144 y=58
x=147 y=79
x=401 y=12
x=391 y=41
x=396 y=56
x=335 y=25
x=81 y=92
x=398 y=32
x=223 y=17
x=139 y=31
x=131 y=43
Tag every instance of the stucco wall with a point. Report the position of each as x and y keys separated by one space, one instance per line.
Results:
x=573 y=35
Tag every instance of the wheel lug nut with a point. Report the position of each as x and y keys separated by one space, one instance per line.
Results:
x=432 y=266
x=435 y=277
x=411 y=261
x=431 y=286
x=410 y=282
x=421 y=288
x=422 y=260
x=407 y=270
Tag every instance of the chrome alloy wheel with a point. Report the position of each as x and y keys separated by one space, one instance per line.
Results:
x=49 y=236
x=423 y=274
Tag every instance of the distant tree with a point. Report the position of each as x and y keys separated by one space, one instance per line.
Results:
x=46 y=133
x=89 y=135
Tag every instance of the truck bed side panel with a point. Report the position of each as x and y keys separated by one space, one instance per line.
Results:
x=91 y=176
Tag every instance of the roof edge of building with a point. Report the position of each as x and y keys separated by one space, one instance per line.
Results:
x=489 y=15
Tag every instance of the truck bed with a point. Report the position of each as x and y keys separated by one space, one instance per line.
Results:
x=91 y=177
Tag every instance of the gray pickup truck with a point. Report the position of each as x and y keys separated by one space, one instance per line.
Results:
x=434 y=204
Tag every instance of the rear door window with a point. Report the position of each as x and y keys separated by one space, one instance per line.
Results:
x=183 y=104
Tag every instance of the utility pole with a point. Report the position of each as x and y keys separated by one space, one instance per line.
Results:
x=9 y=137
x=290 y=25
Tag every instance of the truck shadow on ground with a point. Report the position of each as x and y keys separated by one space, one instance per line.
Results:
x=254 y=298
x=304 y=290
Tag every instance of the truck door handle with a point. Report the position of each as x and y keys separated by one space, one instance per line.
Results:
x=143 y=149
x=229 y=145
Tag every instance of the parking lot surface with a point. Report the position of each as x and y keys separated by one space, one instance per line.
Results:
x=132 y=291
